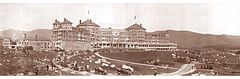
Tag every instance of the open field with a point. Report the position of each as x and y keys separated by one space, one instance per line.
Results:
x=164 y=57
x=17 y=61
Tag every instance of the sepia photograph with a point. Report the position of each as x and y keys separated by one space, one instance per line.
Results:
x=120 y=39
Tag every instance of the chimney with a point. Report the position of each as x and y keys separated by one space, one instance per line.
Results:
x=55 y=20
x=141 y=25
x=36 y=37
x=80 y=21
x=65 y=19
x=25 y=36
x=90 y=20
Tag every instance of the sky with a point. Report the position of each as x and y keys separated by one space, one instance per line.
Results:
x=207 y=18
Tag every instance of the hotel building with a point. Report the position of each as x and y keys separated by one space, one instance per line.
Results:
x=88 y=35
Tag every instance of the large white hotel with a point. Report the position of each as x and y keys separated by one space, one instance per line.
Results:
x=88 y=35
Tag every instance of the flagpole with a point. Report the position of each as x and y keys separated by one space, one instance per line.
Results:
x=88 y=15
x=134 y=19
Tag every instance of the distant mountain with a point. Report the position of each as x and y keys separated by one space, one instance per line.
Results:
x=14 y=34
x=43 y=34
x=187 y=39
x=235 y=38
x=184 y=39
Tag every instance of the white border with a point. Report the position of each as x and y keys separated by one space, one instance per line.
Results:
x=120 y=77
x=119 y=1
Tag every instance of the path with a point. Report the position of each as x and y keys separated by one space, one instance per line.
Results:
x=185 y=69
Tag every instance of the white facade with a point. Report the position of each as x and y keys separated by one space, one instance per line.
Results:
x=146 y=46
x=6 y=43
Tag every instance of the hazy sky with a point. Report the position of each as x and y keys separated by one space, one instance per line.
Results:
x=202 y=18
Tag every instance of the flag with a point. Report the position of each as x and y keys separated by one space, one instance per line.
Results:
x=88 y=12
x=135 y=17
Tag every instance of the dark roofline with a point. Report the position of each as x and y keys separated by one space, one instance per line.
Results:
x=56 y=22
x=66 y=21
x=87 y=22
x=135 y=26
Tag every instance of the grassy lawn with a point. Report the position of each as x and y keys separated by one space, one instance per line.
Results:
x=165 y=57
x=136 y=56
x=144 y=70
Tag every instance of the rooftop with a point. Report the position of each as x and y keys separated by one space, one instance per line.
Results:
x=135 y=26
x=56 y=22
x=88 y=22
x=66 y=21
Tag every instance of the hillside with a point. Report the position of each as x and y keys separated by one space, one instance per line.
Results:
x=43 y=34
x=187 y=39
